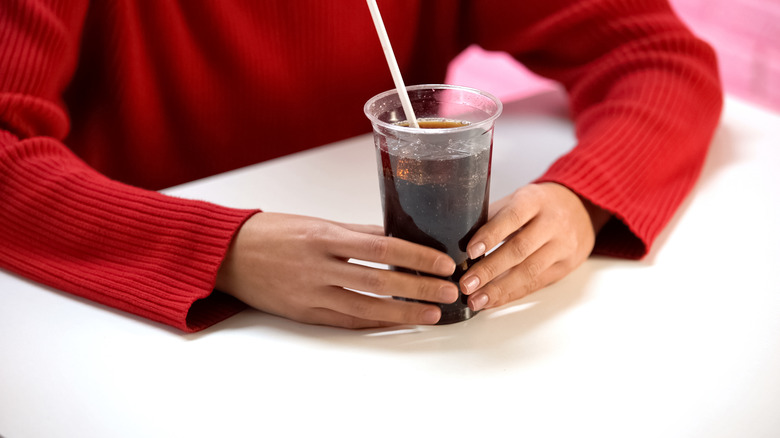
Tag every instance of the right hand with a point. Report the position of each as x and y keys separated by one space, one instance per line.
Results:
x=298 y=267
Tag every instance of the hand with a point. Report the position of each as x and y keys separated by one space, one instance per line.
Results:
x=547 y=231
x=297 y=267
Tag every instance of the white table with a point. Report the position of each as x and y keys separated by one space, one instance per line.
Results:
x=685 y=343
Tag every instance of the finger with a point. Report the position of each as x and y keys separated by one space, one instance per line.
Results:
x=497 y=206
x=368 y=229
x=512 y=253
x=531 y=275
x=393 y=251
x=400 y=284
x=377 y=309
x=516 y=211
x=332 y=318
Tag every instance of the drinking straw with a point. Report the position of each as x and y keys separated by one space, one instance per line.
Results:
x=391 y=62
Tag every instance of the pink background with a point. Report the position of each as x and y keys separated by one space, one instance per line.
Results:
x=744 y=33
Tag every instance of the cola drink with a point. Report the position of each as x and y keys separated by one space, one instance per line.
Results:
x=435 y=179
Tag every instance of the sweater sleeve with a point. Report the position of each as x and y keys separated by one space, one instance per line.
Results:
x=65 y=225
x=645 y=96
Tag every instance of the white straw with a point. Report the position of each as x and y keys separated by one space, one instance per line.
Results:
x=391 y=62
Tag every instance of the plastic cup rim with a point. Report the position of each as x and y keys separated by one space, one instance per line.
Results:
x=488 y=121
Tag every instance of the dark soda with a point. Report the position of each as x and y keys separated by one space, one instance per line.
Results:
x=438 y=198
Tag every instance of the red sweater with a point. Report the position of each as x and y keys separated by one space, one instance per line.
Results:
x=103 y=103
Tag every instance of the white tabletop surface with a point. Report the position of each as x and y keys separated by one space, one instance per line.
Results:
x=685 y=343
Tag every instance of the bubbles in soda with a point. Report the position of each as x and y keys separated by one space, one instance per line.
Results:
x=435 y=193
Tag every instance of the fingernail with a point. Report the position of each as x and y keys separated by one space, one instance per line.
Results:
x=476 y=250
x=431 y=316
x=478 y=302
x=471 y=284
x=448 y=293
x=444 y=265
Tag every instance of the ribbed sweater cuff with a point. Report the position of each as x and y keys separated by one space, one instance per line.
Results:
x=64 y=225
x=616 y=238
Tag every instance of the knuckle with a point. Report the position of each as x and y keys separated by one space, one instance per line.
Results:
x=374 y=281
x=515 y=216
x=425 y=291
x=485 y=271
x=379 y=246
x=497 y=294
x=318 y=231
x=361 y=309
x=532 y=270
x=519 y=248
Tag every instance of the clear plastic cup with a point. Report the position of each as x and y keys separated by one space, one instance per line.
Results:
x=435 y=180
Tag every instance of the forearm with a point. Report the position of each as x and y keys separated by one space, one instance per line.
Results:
x=66 y=226
x=645 y=98
x=63 y=224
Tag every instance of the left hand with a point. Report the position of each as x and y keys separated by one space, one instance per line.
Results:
x=547 y=232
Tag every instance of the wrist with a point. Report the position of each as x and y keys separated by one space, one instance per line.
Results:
x=227 y=271
x=598 y=216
